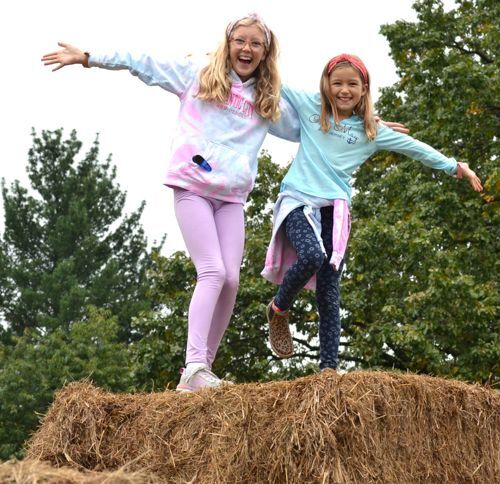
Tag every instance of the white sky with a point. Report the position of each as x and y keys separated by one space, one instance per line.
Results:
x=135 y=121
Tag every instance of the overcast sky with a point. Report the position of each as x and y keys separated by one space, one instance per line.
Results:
x=135 y=121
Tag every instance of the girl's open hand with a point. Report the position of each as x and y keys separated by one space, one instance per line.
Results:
x=65 y=57
x=399 y=127
x=465 y=172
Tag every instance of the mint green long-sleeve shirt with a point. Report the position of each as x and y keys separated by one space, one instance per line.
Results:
x=325 y=162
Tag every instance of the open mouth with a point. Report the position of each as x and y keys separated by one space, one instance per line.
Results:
x=245 y=60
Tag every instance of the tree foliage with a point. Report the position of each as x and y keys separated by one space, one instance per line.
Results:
x=72 y=277
x=37 y=364
x=64 y=245
x=421 y=291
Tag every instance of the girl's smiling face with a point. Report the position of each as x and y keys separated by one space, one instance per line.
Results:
x=347 y=89
x=246 y=50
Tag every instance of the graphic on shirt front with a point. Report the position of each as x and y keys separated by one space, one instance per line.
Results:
x=341 y=131
x=238 y=105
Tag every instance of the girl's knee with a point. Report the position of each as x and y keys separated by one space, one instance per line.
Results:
x=232 y=280
x=221 y=277
x=312 y=260
x=216 y=274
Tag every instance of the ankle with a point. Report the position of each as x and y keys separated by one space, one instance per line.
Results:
x=276 y=309
x=196 y=366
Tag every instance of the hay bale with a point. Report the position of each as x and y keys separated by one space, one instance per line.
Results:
x=35 y=472
x=369 y=427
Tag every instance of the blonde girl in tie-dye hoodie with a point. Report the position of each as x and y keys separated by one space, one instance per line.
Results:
x=226 y=109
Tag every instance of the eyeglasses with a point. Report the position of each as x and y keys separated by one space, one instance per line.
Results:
x=253 y=44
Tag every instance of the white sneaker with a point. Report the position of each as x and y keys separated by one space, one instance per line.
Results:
x=197 y=376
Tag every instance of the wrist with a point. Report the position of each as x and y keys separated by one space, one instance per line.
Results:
x=85 y=60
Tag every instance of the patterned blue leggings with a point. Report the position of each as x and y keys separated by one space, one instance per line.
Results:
x=310 y=260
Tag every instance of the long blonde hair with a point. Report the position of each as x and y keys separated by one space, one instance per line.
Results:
x=364 y=108
x=215 y=82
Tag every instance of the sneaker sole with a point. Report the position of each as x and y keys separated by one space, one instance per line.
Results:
x=184 y=389
x=279 y=353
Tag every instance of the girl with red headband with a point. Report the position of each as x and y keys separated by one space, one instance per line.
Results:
x=311 y=216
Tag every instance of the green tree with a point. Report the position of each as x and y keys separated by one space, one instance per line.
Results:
x=421 y=291
x=65 y=245
x=37 y=365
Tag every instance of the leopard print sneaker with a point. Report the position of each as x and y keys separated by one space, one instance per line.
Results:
x=279 y=332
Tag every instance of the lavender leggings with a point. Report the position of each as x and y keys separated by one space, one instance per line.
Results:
x=214 y=234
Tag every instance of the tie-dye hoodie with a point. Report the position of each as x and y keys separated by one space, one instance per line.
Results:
x=226 y=136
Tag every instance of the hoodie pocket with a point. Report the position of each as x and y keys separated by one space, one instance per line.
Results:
x=229 y=167
x=223 y=170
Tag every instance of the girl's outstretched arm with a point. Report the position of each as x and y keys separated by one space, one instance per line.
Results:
x=69 y=54
x=390 y=140
x=463 y=171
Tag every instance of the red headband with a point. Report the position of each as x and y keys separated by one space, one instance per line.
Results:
x=355 y=61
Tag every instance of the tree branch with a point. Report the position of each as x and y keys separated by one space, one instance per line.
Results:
x=461 y=48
